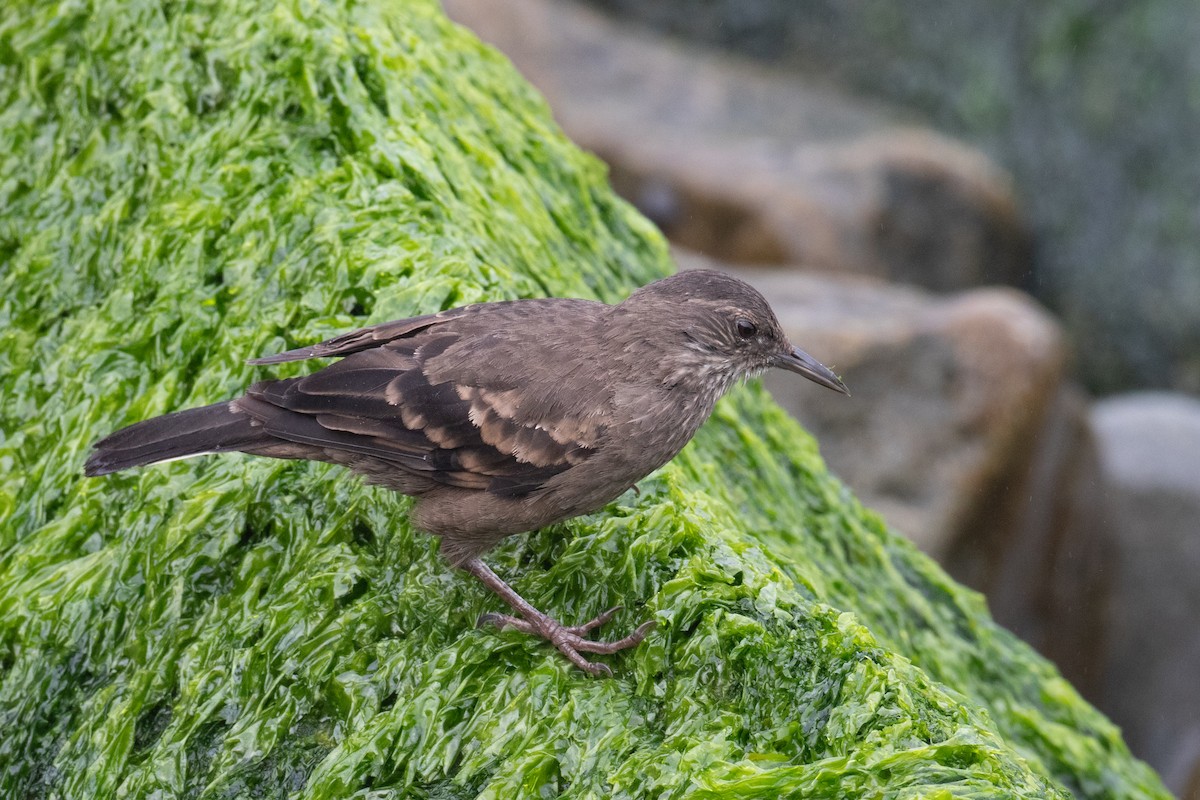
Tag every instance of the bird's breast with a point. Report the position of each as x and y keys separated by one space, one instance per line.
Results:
x=653 y=424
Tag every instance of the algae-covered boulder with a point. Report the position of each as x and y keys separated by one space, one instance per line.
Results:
x=184 y=185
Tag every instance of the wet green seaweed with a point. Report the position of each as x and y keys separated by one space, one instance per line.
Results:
x=185 y=184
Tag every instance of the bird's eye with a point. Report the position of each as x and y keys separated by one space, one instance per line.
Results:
x=745 y=328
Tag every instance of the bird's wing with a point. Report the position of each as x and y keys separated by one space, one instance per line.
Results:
x=366 y=338
x=438 y=402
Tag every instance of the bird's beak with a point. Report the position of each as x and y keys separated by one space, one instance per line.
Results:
x=796 y=360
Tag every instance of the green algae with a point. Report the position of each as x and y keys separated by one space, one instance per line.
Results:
x=184 y=185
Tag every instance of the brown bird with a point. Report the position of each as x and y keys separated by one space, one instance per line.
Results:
x=501 y=417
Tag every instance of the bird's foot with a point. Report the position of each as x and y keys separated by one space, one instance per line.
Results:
x=571 y=641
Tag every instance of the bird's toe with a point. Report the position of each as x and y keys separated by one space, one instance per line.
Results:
x=592 y=624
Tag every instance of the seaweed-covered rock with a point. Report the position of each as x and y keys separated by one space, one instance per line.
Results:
x=184 y=185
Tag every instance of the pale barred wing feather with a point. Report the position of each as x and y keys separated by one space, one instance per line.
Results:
x=422 y=401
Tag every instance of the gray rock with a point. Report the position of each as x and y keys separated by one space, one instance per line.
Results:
x=1150 y=449
x=745 y=166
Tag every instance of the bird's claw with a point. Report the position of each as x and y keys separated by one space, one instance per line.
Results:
x=571 y=641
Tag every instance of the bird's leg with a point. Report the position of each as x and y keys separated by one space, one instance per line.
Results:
x=569 y=640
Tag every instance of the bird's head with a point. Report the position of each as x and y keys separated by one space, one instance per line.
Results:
x=719 y=330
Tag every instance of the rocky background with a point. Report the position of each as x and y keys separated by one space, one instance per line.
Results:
x=901 y=256
x=1091 y=105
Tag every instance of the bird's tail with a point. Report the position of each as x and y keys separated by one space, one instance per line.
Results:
x=210 y=429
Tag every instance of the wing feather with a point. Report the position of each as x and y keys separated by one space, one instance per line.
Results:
x=372 y=337
x=452 y=424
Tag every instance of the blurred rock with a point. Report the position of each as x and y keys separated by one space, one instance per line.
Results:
x=749 y=167
x=1150 y=449
x=1040 y=547
x=947 y=393
x=962 y=434
x=1192 y=792
x=1091 y=106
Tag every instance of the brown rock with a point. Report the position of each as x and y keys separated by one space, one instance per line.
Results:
x=961 y=433
x=947 y=393
x=747 y=166
x=1040 y=544
x=1192 y=792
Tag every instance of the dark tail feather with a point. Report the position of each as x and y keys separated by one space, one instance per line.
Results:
x=210 y=429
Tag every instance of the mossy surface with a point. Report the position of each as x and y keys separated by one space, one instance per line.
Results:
x=184 y=185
